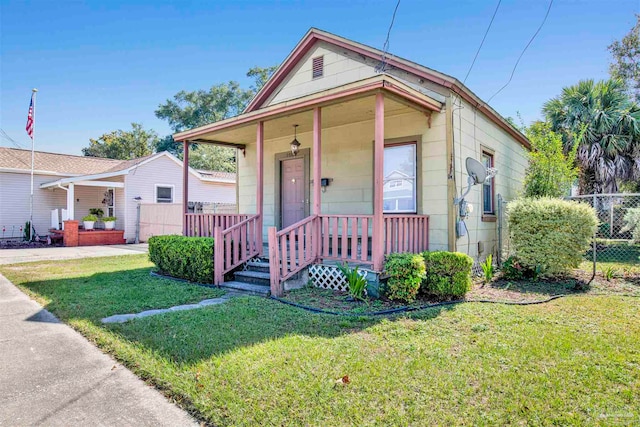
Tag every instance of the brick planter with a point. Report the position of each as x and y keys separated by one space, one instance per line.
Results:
x=100 y=237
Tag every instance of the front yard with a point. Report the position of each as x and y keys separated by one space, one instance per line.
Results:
x=254 y=361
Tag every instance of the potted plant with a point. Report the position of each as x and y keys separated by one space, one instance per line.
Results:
x=109 y=222
x=89 y=221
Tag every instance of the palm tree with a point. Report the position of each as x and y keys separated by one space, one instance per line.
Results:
x=605 y=125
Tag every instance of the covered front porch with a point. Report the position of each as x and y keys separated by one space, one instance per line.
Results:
x=333 y=200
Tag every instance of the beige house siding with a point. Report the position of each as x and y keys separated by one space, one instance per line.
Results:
x=472 y=132
x=347 y=157
x=340 y=68
x=142 y=182
x=14 y=202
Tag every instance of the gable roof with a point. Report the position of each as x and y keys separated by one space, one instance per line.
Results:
x=314 y=35
x=54 y=163
x=16 y=159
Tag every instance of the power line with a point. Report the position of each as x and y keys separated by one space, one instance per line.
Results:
x=482 y=42
x=385 y=46
x=6 y=136
x=523 y=51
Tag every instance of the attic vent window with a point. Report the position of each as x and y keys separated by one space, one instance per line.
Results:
x=318 y=67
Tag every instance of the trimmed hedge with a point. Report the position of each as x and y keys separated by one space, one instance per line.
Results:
x=549 y=236
x=448 y=274
x=189 y=258
x=405 y=272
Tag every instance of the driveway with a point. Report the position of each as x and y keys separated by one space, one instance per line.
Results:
x=51 y=375
x=13 y=256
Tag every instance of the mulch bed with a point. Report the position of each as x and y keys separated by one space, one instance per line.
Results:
x=20 y=244
x=500 y=290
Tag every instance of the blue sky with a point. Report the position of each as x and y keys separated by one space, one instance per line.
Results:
x=100 y=65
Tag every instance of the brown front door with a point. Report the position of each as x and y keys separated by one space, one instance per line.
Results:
x=292 y=191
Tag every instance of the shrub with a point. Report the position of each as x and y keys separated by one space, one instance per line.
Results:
x=448 y=274
x=405 y=272
x=632 y=224
x=189 y=258
x=487 y=269
x=549 y=236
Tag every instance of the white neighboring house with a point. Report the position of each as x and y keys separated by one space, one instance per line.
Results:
x=78 y=183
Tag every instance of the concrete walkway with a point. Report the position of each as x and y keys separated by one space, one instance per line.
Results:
x=13 y=256
x=51 y=375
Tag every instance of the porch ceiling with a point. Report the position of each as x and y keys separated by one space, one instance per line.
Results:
x=350 y=111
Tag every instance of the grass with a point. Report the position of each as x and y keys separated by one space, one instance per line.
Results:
x=254 y=361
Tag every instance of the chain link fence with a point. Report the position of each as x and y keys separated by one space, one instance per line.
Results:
x=617 y=239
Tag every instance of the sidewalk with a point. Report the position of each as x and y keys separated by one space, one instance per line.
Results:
x=51 y=375
x=14 y=256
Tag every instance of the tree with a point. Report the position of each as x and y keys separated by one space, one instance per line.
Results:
x=188 y=110
x=551 y=172
x=123 y=145
x=602 y=124
x=626 y=60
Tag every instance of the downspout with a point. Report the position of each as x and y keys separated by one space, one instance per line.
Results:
x=451 y=183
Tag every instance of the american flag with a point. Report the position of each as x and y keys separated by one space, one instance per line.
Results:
x=29 y=127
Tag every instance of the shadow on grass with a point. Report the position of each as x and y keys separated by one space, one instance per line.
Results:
x=186 y=337
x=191 y=336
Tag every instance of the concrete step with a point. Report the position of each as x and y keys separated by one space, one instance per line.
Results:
x=253 y=277
x=259 y=266
x=247 y=287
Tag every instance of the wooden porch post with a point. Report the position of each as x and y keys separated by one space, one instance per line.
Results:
x=317 y=177
x=260 y=183
x=377 y=244
x=185 y=188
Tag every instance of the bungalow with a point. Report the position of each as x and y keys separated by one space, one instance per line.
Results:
x=76 y=184
x=349 y=153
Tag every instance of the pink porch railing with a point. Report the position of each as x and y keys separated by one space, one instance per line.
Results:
x=406 y=233
x=202 y=225
x=235 y=245
x=346 y=238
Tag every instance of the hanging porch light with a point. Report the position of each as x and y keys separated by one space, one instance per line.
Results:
x=295 y=145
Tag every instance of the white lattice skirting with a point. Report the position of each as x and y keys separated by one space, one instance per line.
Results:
x=330 y=277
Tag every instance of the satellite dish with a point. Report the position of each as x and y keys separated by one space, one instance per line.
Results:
x=476 y=170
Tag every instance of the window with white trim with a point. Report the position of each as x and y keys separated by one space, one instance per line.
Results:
x=400 y=161
x=164 y=194
x=488 y=204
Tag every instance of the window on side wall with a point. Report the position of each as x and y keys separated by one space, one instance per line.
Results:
x=164 y=194
x=400 y=173
x=488 y=202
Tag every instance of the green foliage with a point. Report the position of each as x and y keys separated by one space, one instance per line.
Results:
x=512 y=269
x=632 y=224
x=109 y=218
x=188 y=110
x=123 y=145
x=550 y=236
x=27 y=231
x=357 y=283
x=626 y=60
x=550 y=173
x=97 y=212
x=448 y=274
x=189 y=258
x=90 y=217
x=609 y=272
x=487 y=269
x=601 y=122
x=405 y=272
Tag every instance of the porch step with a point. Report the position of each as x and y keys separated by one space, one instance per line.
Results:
x=253 y=277
x=251 y=288
x=259 y=266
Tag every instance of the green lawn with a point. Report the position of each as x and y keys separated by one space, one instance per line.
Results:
x=254 y=361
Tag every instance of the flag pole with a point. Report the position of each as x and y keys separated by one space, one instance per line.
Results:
x=33 y=139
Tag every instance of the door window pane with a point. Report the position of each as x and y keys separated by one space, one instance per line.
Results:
x=399 y=191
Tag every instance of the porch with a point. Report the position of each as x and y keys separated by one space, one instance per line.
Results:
x=334 y=204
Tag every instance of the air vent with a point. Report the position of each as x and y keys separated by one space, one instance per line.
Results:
x=318 y=67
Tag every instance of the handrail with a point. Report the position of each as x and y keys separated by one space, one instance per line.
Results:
x=235 y=245
x=202 y=224
x=291 y=250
